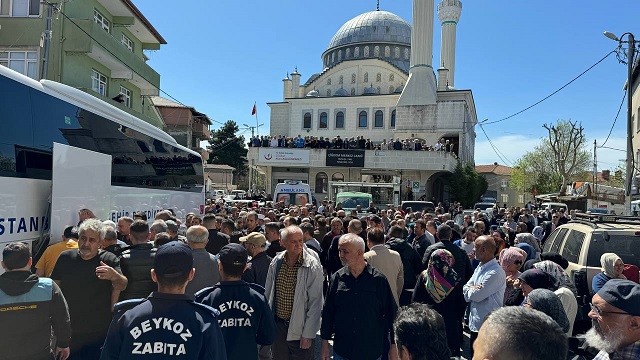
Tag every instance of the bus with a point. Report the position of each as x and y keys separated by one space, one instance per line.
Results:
x=63 y=150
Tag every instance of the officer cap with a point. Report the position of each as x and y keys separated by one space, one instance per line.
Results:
x=233 y=254
x=173 y=259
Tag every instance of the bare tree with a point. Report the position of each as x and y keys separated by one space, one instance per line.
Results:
x=567 y=142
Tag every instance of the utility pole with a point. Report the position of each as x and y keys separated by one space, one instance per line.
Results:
x=595 y=173
x=46 y=42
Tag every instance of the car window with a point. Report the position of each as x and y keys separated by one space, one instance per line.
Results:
x=625 y=246
x=572 y=246
x=555 y=240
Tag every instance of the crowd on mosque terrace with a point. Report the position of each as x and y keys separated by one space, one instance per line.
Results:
x=269 y=281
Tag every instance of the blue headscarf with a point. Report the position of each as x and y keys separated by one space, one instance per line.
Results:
x=531 y=252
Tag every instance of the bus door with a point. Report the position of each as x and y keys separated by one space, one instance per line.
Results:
x=81 y=180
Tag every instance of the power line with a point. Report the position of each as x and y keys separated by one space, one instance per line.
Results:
x=500 y=155
x=614 y=122
x=553 y=93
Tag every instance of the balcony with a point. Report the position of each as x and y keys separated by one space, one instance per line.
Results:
x=203 y=153
x=373 y=159
x=123 y=63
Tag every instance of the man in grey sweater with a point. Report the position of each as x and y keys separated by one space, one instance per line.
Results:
x=206 y=265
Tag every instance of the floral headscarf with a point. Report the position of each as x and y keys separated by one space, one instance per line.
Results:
x=528 y=238
x=557 y=272
x=509 y=256
x=440 y=277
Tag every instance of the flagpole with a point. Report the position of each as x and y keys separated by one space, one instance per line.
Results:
x=257 y=130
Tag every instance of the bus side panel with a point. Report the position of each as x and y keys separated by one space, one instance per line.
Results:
x=23 y=209
x=81 y=180
x=126 y=201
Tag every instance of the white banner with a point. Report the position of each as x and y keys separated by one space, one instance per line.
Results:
x=268 y=156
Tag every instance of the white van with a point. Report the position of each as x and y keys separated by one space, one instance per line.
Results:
x=293 y=192
x=554 y=206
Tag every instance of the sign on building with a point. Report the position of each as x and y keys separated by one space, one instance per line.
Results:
x=416 y=185
x=268 y=156
x=345 y=157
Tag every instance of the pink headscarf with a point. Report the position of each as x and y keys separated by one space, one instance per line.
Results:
x=510 y=255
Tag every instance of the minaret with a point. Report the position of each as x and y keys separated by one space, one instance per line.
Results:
x=286 y=88
x=449 y=13
x=295 y=86
x=421 y=85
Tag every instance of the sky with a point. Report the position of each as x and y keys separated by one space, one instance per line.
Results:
x=224 y=56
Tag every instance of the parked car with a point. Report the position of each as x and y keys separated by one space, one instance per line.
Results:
x=484 y=205
x=554 y=206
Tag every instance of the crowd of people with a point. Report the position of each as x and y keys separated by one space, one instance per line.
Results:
x=261 y=282
x=359 y=142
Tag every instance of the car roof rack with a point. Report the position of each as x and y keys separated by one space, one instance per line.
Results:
x=591 y=219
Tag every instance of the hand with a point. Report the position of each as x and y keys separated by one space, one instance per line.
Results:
x=510 y=280
x=62 y=353
x=305 y=343
x=106 y=272
x=85 y=214
x=325 y=350
x=472 y=256
x=393 y=352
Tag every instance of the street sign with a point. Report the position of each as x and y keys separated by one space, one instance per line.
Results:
x=416 y=185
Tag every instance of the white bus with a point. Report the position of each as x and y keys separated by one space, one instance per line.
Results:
x=62 y=150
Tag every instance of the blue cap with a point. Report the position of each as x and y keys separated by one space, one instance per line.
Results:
x=233 y=254
x=623 y=294
x=173 y=259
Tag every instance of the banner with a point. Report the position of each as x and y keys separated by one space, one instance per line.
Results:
x=345 y=157
x=268 y=156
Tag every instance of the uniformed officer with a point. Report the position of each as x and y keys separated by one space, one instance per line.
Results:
x=168 y=323
x=245 y=317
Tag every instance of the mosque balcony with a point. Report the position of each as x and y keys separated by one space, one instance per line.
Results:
x=373 y=159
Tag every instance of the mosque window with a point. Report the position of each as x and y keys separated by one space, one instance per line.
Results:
x=347 y=53
x=366 y=51
x=339 y=55
x=340 y=120
x=340 y=79
x=328 y=92
x=366 y=77
x=353 y=78
x=356 y=52
x=353 y=91
x=333 y=57
x=362 y=119
x=376 y=51
x=337 y=177
x=387 y=51
x=306 y=122
x=329 y=81
x=406 y=53
x=393 y=119
x=396 y=52
x=391 y=78
x=379 y=77
x=322 y=183
x=391 y=89
x=324 y=123
x=378 y=120
x=378 y=88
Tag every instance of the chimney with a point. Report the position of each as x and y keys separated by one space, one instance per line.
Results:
x=449 y=13
x=442 y=79
x=421 y=85
x=295 y=86
x=286 y=87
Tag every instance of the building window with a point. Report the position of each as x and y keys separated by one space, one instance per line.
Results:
x=504 y=183
x=362 y=119
x=329 y=81
x=24 y=62
x=340 y=120
x=339 y=55
x=379 y=77
x=393 y=119
x=348 y=53
x=366 y=77
x=126 y=96
x=396 y=52
x=387 y=51
x=324 y=123
x=521 y=199
x=406 y=53
x=340 y=79
x=366 y=51
x=98 y=83
x=376 y=51
x=378 y=120
x=333 y=57
x=337 y=177
x=391 y=77
x=328 y=92
x=322 y=183
x=353 y=78
x=102 y=21
x=20 y=8
x=504 y=198
x=306 y=122
x=127 y=42
x=356 y=52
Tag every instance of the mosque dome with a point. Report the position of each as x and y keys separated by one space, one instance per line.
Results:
x=341 y=92
x=375 y=34
x=313 y=93
x=370 y=91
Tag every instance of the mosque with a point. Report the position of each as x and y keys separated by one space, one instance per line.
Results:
x=377 y=81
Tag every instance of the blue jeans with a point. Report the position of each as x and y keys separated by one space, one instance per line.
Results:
x=338 y=357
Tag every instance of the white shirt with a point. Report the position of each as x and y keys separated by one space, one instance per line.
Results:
x=489 y=296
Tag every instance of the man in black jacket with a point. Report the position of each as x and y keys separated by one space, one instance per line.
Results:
x=30 y=307
x=411 y=262
x=258 y=267
x=136 y=262
x=217 y=239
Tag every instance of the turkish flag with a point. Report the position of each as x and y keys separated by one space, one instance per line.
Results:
x=535 y=192
x=253 y=112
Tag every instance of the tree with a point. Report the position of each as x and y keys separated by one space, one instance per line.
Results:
x=466 y=185
x=568 y=145
x=226 y=148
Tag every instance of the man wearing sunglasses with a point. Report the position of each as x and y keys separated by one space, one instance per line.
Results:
x=615 y=315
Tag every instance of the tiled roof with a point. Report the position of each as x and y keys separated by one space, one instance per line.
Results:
x=218 y=167
x=493 y=168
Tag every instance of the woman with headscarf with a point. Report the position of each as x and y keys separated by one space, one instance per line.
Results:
x=538 y=233
x=535 y=279
x=612 y=268
x=547 y=302
x=528 y=238
x=511 y=260
x=566 y=291
x=437 y=286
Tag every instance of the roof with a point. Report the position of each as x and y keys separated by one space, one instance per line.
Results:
x=159 y=101
x=144 y=20
x=493 y=169
x=373 y=26
x=217 y=167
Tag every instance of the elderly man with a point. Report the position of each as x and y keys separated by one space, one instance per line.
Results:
x=485 y=290
x=294 y=291
x=615 y=314
x=387 y=261
x=124 y=223
x=158 y=226
x=206 y=265
x=359 y=309
x=136 y=263
x=514 y=332
x=333 y=258
x=90 y=280
x=172 y=230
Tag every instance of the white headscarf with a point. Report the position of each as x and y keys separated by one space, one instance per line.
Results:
x=608 y=262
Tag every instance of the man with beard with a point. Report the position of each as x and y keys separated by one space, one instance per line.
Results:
x=615 y=314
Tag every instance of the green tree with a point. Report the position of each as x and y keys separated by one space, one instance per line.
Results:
x=466 y=185
x=227 y=148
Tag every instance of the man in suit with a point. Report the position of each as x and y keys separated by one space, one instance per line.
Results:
x=550 y=226
x=387 y=261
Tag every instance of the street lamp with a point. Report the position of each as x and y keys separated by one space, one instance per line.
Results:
x=631 y=48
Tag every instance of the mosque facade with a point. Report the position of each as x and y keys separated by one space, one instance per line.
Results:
x=377 y=83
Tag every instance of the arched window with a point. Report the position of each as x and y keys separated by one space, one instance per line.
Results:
x=379 y=119
x=366 y=77
x=362 y=119
x=340 y=120
x=393 y=119
x=348 y=54
x=376 y=51
x=322 y=183
x=391 y=77
x=306 y=122
x=339 y=55
x=323 y=120
x=353 y=78
x=396 y=52
x=378 y=88
x=337 y=177
x=353 y=91
x=379 y=77
x=366 y=51
x=387 y=51
x=340 y=79
x=356 y=52
x=333 y=56
x=391 y=89
x=328 y=92
x=406 y=53
x=329 y=81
